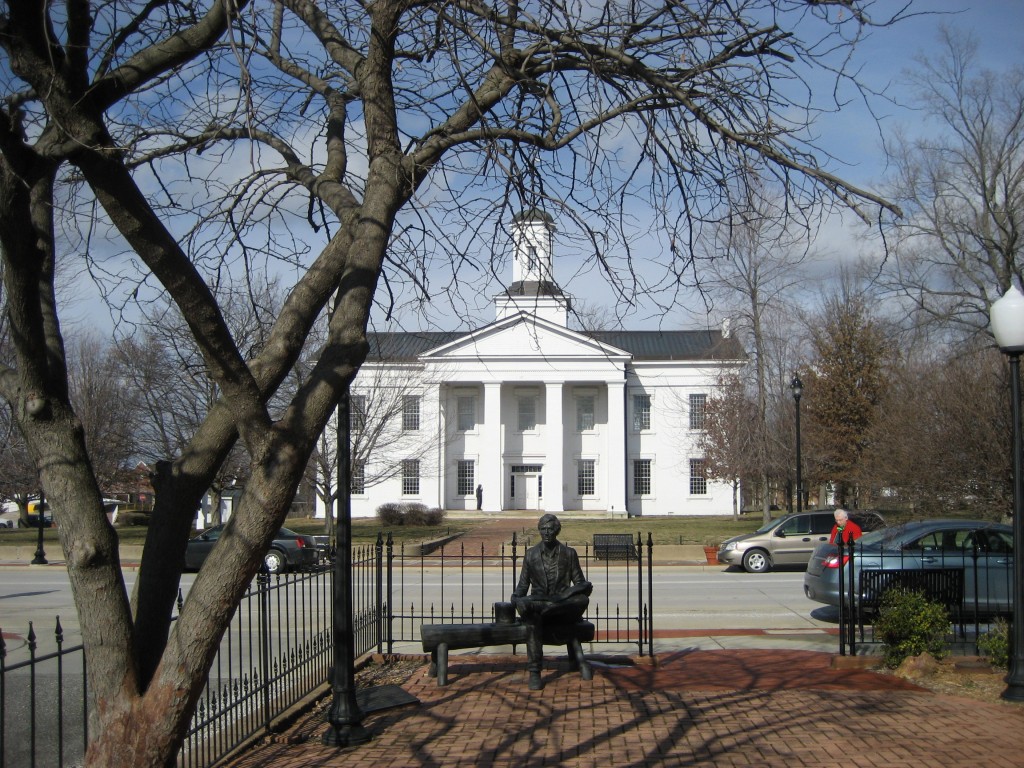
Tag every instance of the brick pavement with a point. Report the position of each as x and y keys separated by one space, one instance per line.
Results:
x=693 y=708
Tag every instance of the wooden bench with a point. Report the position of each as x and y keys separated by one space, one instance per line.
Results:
x=438 y=639
x=614 y=546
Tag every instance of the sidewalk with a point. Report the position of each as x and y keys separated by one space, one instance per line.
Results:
x=727 y=707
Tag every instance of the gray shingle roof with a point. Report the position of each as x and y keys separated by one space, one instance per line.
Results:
x=642 y=345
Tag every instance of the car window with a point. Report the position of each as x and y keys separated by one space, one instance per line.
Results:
x=795 y=526
x=995 y=542
x=821 y=524
x=211 y=534
x=955 y=540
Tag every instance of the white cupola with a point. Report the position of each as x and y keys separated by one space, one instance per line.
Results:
x=533 y=289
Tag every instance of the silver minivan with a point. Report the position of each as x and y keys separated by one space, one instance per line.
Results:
x=788 y=540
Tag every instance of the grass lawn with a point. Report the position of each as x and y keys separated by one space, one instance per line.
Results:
x=663 y=530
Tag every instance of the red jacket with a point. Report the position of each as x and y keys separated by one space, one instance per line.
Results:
x=851 y=533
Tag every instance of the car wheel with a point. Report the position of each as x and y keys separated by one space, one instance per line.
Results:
x=274 y=561
x=756 y=561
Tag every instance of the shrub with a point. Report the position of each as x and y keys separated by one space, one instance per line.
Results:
x=995 y=644
x=390 y=514
x=127 y=519
x=409 y=513
x=910 y=624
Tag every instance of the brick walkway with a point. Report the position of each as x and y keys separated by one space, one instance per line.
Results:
x=699 y=708
x=493 y=533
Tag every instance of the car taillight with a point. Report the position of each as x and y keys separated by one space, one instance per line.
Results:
x=300 y=543
x=832 y=561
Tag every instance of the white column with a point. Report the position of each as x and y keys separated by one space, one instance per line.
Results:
x=491 y=469
x=555 y=461
x=615 y=467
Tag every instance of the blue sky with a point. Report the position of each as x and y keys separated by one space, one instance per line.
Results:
x=998 y=26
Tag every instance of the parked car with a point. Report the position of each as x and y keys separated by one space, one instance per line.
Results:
x=983 y=550
x=788 y=540
x=288 y=550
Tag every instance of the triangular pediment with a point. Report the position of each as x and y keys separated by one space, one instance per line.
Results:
x=527 y=337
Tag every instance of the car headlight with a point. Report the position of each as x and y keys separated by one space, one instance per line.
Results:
x=732 y=545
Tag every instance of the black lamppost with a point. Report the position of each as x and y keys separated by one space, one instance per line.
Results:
x=345 y=716
x=798 y=389
x=1006 y=319
x=40 y=558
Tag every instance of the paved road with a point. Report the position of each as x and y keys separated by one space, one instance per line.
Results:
x=686 y=598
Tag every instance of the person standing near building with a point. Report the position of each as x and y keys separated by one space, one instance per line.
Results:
x=479 y=497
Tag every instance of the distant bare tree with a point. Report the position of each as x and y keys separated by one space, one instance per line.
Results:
x=751 y=272
x=731 y=439
x=960 y=178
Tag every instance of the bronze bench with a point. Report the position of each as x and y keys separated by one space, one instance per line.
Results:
x=438 y=639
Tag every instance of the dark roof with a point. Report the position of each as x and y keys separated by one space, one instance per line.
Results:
x=533 y=288
x=673 y=345
x=642 y=345
x=534 y=214
x=400 y=347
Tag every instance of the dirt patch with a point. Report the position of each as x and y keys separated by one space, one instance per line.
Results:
x=388 y=670
x=967 y=677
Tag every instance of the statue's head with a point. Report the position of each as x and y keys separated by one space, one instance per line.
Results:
x=549 y=524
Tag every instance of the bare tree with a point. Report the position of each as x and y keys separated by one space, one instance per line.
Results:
x=377 y=406
x=960 y=178
x=730 y=440
x=753 y=268
x=353 y=147
x=936 y=445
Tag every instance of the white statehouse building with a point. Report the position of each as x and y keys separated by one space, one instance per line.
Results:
x=525 y=414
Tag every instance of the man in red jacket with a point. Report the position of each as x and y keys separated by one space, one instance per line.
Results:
x=844 y=527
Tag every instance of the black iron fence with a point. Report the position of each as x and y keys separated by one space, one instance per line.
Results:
x=457 y=586
x=43 y=709
x=973 y=581
x=278 y=649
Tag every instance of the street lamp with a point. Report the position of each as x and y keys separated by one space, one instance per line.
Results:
x=345 y=716
x=40 y=558
x=798 y=389
x=1007 y=321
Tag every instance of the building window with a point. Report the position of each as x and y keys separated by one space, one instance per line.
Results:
x=584 y=413
x=697 y=403
x=641 y=412
x=527 y=413
x=465 y=478
x=531 y=260
x=410 y=477
x=641 y=477
x=358 y=478
x=585 y=477
x=698 y=480
x=467 y=413
x=410 y=413
x=356 y=412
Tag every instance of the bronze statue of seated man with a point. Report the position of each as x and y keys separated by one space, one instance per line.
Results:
x=552 y=590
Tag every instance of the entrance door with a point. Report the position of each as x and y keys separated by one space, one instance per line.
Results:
x=526 y=487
